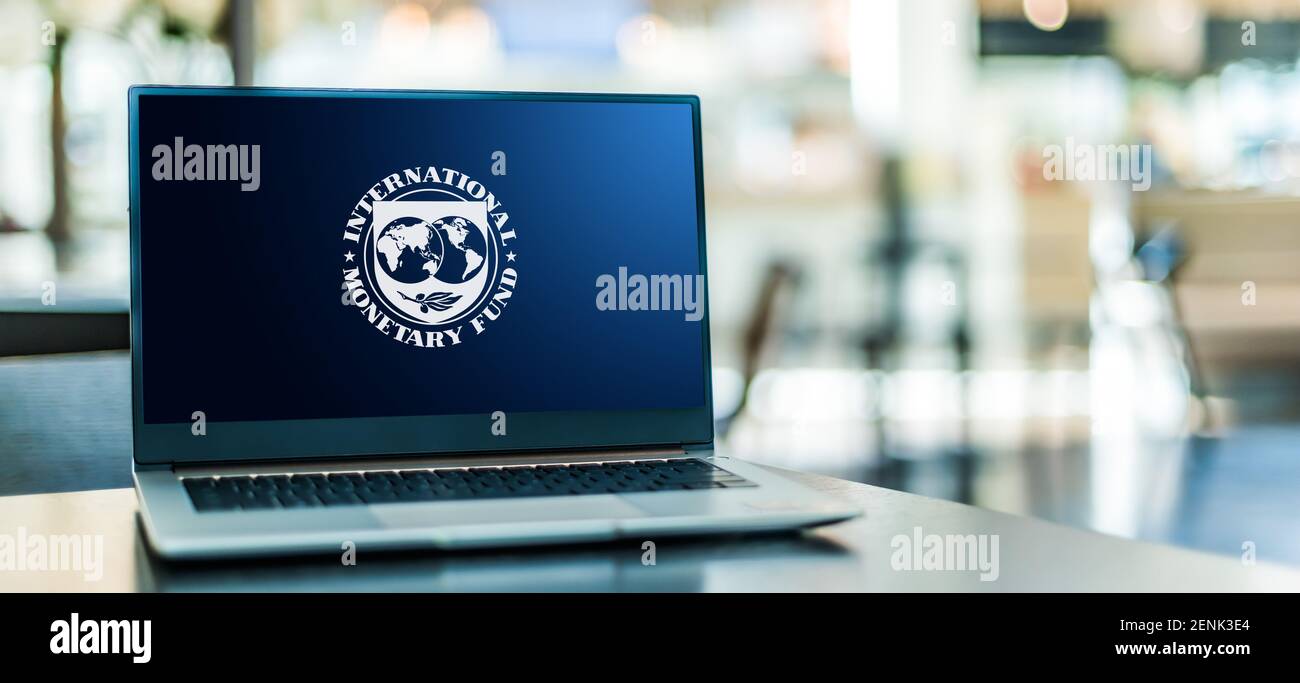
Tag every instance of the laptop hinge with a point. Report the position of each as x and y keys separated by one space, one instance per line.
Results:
x=380 y=463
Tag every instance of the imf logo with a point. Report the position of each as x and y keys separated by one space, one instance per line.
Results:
x=426 y=257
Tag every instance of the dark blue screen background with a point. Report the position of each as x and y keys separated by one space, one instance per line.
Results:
x=241 y=292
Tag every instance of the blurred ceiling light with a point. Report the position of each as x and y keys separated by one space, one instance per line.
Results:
x=1158 y=36
x=469 y=21
x=466 y=37
x=1178 y=15
x=406 y=25
x=1047 y=15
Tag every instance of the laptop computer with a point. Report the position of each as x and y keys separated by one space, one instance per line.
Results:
x=401 y=319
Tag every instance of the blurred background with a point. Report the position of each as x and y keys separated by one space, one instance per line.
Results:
x=904 y=292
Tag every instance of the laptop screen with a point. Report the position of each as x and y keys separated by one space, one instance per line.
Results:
x=334 y=255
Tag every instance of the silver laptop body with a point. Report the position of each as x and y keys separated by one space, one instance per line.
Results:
x=183 y=454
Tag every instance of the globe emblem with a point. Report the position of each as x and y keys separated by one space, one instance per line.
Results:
x=430 y=260
x=411 y=250
x=465 y=257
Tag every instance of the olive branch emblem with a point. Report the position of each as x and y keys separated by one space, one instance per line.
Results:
x=438 y=301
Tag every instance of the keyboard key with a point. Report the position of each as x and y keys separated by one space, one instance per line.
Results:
x=290 y=500
x=258 y=501
x=376 y=496
x=333 y=499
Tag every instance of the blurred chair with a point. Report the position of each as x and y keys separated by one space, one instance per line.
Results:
x=765 y=319
x=1237 y=291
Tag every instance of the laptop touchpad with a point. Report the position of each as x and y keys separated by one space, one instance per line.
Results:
x=505 y=511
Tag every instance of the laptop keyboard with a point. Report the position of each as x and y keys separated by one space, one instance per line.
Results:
x=218 y=494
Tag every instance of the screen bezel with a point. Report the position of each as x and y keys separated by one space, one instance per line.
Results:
x=173 y=443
